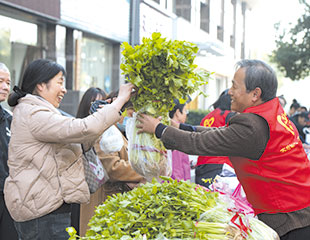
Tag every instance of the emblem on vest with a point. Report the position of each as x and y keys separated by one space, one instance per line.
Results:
x=283 y=120
x=208 y=122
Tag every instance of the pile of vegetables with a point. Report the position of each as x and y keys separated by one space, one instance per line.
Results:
x=162 y=70
x=169 y=210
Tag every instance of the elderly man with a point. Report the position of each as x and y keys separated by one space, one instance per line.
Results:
x=263 y=146
x=7 y=229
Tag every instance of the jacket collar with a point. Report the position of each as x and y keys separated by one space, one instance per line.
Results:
x=37 y=100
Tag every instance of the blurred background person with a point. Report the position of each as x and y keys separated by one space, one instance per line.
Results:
x=300 y=120
x=7 y=228
x=209 y=166
x=302 y=109
x=282 y=100
x=122 y=177
x=128 y=114
x=181 y=168
x=120 y=125
x=293 y=108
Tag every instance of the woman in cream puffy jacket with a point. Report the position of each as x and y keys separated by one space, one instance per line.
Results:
x=45 y=164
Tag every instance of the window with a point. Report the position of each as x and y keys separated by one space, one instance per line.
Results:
x=205 y=16
x=95 y=64
x=242 y=51
x=220 y=27
x=233 y=34
x=60 y=45
x=19 y=45
x=182 y=8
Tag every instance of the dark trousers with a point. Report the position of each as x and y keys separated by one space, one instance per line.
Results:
x=207 y=171
x=49 y=227
x=7 y=228
x=297 y=234
x=75 y=217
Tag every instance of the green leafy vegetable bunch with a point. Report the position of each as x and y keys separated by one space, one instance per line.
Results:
x=170 y=208
x=162 y=70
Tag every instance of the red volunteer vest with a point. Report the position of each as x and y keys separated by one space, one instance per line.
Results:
x=280 y=180
x=214 y=119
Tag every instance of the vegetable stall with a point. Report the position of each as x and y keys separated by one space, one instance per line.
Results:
x=172 y=210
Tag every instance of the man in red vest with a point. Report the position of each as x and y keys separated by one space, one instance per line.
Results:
x=263 y=147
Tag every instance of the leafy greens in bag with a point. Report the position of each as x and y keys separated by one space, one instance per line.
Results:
x=162 y=70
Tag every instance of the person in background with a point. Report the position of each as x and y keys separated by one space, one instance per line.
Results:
x=300 y=120
x=120 y=125
x=293 y=108
x=46 y=172
x=181 y=168
x=209 y=166
x=129 y=114
x=122 y=177
x=92 y=94
x=7 y=228
x=302 y=109
x=263 y=146
x=282 y=101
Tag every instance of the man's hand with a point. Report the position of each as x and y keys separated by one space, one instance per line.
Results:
x=147 y=123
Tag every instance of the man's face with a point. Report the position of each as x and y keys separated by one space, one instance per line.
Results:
x=240 y=98
x=5 y=82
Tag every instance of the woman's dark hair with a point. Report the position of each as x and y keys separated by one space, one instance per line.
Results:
x=38 y=71
x=223 y=102
x=89 y=96
x=295 y=104
x=179 y=106
x=259 y=74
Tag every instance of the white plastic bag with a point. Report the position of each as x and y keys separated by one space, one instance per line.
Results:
x=111 y=140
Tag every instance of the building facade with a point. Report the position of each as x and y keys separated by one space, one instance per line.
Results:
x=85 y=37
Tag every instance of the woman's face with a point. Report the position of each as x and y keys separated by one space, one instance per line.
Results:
x=54 y=90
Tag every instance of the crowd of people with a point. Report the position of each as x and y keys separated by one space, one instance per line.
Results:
x=42 y=181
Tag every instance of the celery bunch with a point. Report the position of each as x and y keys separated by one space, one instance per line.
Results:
x=162 y=70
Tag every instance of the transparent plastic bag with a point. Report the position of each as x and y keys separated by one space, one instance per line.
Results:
x=111 y=140
x=147 y=154
x=228 y=184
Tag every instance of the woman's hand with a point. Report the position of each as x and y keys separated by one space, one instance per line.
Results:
x=147 y=123
x=124 y=94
